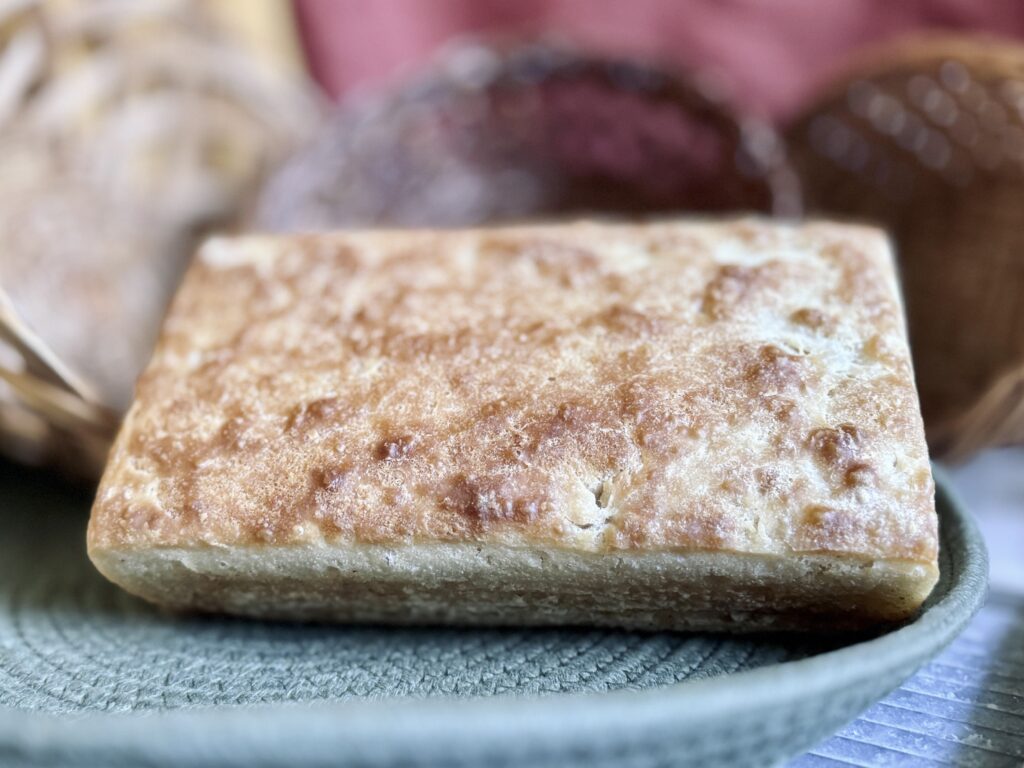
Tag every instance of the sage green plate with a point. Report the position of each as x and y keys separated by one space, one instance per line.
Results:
x=91 y=676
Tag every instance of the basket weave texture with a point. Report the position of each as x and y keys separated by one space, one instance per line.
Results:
x=926 y=137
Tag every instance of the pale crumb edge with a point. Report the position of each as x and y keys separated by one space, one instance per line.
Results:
x=476 y=585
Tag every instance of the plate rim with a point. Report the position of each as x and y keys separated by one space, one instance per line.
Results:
x=421 y=730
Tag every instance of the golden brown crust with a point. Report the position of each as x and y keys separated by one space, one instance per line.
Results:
x=737 y=386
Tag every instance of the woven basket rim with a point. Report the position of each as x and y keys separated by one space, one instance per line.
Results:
x=917 y=50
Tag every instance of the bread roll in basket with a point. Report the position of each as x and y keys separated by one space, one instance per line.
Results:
x=126 y=130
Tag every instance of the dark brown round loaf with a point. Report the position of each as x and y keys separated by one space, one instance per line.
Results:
x=492 y=134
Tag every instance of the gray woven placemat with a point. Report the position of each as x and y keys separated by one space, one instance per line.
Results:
x=73 y=643
x=90 y=674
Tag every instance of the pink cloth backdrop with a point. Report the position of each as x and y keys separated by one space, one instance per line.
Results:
x=770 y=53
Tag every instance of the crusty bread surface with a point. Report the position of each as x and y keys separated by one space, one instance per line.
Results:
x=688 y=425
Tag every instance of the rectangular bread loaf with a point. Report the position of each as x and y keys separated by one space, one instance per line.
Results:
x=675 y=425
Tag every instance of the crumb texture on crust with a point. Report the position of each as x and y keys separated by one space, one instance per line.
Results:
x=738 y=386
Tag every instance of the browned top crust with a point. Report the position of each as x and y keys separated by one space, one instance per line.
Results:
x=738 y=386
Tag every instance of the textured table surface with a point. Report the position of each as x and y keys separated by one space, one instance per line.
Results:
x=966 y=708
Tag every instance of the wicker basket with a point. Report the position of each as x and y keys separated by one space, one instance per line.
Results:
x=927 y=138
x=502 y=133
x=126 y=129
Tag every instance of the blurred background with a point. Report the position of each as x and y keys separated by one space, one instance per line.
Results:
x=130 y=129
x=772 y=54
